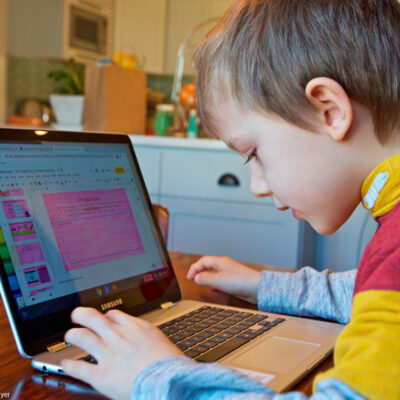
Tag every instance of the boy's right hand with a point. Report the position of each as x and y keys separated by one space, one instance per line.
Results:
x=227 y=275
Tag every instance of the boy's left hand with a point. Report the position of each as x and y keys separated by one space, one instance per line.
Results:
x=122 y=345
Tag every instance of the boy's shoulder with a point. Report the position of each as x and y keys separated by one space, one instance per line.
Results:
x=379 y=268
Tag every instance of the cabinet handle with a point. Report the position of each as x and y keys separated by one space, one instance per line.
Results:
x=228 y=180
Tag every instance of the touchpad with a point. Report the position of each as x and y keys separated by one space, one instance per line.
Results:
x=276 y=354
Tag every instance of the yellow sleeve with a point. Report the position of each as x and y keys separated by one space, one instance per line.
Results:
x=367 y=352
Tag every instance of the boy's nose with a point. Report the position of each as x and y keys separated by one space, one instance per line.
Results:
x=259 y=187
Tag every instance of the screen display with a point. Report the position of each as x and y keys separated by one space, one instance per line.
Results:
x=76 y=228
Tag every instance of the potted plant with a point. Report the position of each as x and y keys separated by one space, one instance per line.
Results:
x=68 y=100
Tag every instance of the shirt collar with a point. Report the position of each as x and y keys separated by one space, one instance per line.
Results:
x=380 y=192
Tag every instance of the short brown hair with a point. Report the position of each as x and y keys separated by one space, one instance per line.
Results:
x=262 y=53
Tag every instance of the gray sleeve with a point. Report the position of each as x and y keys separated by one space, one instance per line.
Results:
x=177 y=377
x=308 y=293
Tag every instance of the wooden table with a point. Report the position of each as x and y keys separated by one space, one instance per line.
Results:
x=18 y=380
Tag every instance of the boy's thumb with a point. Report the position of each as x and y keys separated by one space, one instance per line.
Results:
x=205 y=278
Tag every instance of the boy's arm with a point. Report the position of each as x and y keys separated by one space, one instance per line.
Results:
x=308 y=293
x=182 y=378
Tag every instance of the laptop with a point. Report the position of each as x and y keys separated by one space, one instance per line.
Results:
x=77 y=228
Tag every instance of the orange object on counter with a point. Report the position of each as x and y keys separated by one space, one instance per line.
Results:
x=187 y=96
x=28 y=121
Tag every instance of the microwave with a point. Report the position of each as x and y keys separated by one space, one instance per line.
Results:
x=61 y=29
x=88 y=27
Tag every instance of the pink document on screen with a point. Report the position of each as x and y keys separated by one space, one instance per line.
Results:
x=29 y=253
x=16 y=209
x=93 y=226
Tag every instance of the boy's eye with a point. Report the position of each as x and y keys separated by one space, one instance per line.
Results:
x=250 y=154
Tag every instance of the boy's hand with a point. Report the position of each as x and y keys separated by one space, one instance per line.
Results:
x=123 y=346
x=226 y=274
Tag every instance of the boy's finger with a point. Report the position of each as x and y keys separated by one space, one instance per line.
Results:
x=94 y=320
x=121 y=318
x=79 y=369
x=203 y=264
x=85 y=339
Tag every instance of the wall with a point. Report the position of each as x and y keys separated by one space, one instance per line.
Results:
x=3 y=57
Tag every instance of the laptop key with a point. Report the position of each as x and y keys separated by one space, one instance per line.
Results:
x=217 y=339
x=204 y=325
x=208 y=344
x=194 y=328
x=235 y=330
x=179 y=325
x=243 y=314
x=214 y=330
x=278 y=320
x=170 y=331
x=247 y=335
x=222 y=350
x=189 y=342
x=245 y=324
x=219 y=317
x=182 y=346
x=225 y=335
x=254 y=331
x=191 y=353
x=204 y=334
x=187 y=333
x=224 y=325
x=217 y=309
x=256 y=318
x=198 y=338
x=200 y=349
x=232 y=320
x=178 y=336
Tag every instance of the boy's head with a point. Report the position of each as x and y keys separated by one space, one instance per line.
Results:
x=263 y=53
x=329 y=69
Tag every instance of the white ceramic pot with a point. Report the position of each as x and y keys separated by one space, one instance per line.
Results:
x=68 y=109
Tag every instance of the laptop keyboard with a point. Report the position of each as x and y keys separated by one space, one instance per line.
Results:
x=210 y=333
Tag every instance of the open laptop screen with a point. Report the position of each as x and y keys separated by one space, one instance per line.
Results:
x=77 y=228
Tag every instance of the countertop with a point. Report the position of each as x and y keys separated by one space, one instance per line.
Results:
x=155 y=141
x=166 y=141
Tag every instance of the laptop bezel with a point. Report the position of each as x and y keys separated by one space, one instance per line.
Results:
x=32 y=347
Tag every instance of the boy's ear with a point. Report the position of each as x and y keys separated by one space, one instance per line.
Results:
x=332 y=104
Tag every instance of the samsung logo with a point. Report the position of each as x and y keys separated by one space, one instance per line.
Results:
x=111 y=304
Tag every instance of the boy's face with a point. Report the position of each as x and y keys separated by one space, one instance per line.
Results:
x=310 y=173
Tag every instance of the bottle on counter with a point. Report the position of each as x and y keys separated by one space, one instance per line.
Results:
x=163 y=119
x=192 y=124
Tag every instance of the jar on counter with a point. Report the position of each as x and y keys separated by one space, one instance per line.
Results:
x=163 y=119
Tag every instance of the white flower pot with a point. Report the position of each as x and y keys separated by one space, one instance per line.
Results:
x=68 y=109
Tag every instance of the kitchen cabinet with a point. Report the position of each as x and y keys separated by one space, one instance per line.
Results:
x=140 y=29
x=182 y=16
x=154 y=29
x=61 y=29
x=206 y=189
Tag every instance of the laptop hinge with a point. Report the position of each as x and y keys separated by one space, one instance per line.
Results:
x=167 y=305
x=53 y=348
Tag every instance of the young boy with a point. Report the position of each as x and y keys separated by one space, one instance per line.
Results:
x=308 y=91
